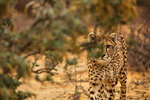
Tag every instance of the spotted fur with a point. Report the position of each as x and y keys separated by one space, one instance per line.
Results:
x=104 y=74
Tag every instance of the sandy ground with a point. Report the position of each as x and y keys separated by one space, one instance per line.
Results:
x=138 y=86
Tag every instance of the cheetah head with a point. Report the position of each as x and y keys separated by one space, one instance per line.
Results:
x=110 y=45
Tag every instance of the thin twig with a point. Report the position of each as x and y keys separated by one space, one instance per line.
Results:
x=76 y=83
x=95 y=28
x=31 y=54
x=84 y=91
x=41 y=70
x=60 y=95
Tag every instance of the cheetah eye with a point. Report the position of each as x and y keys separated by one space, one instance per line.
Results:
x=108 y=46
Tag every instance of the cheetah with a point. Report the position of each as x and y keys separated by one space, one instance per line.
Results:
x=104 y=74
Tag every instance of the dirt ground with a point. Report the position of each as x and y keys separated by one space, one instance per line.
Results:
x=138 y=86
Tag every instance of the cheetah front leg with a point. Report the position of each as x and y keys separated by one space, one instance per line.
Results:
x=123 y=82
x=100 y=93
x=93 y=90
x=111 y=91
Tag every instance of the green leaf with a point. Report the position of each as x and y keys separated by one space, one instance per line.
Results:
x=71 y=61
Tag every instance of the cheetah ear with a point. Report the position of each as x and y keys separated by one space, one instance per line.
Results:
x=91 y=33
x=92 y=36
x=113 y=37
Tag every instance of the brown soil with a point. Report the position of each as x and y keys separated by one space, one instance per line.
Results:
x=138 y=86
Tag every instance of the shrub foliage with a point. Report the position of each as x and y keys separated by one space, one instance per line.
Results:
x=57 y=25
